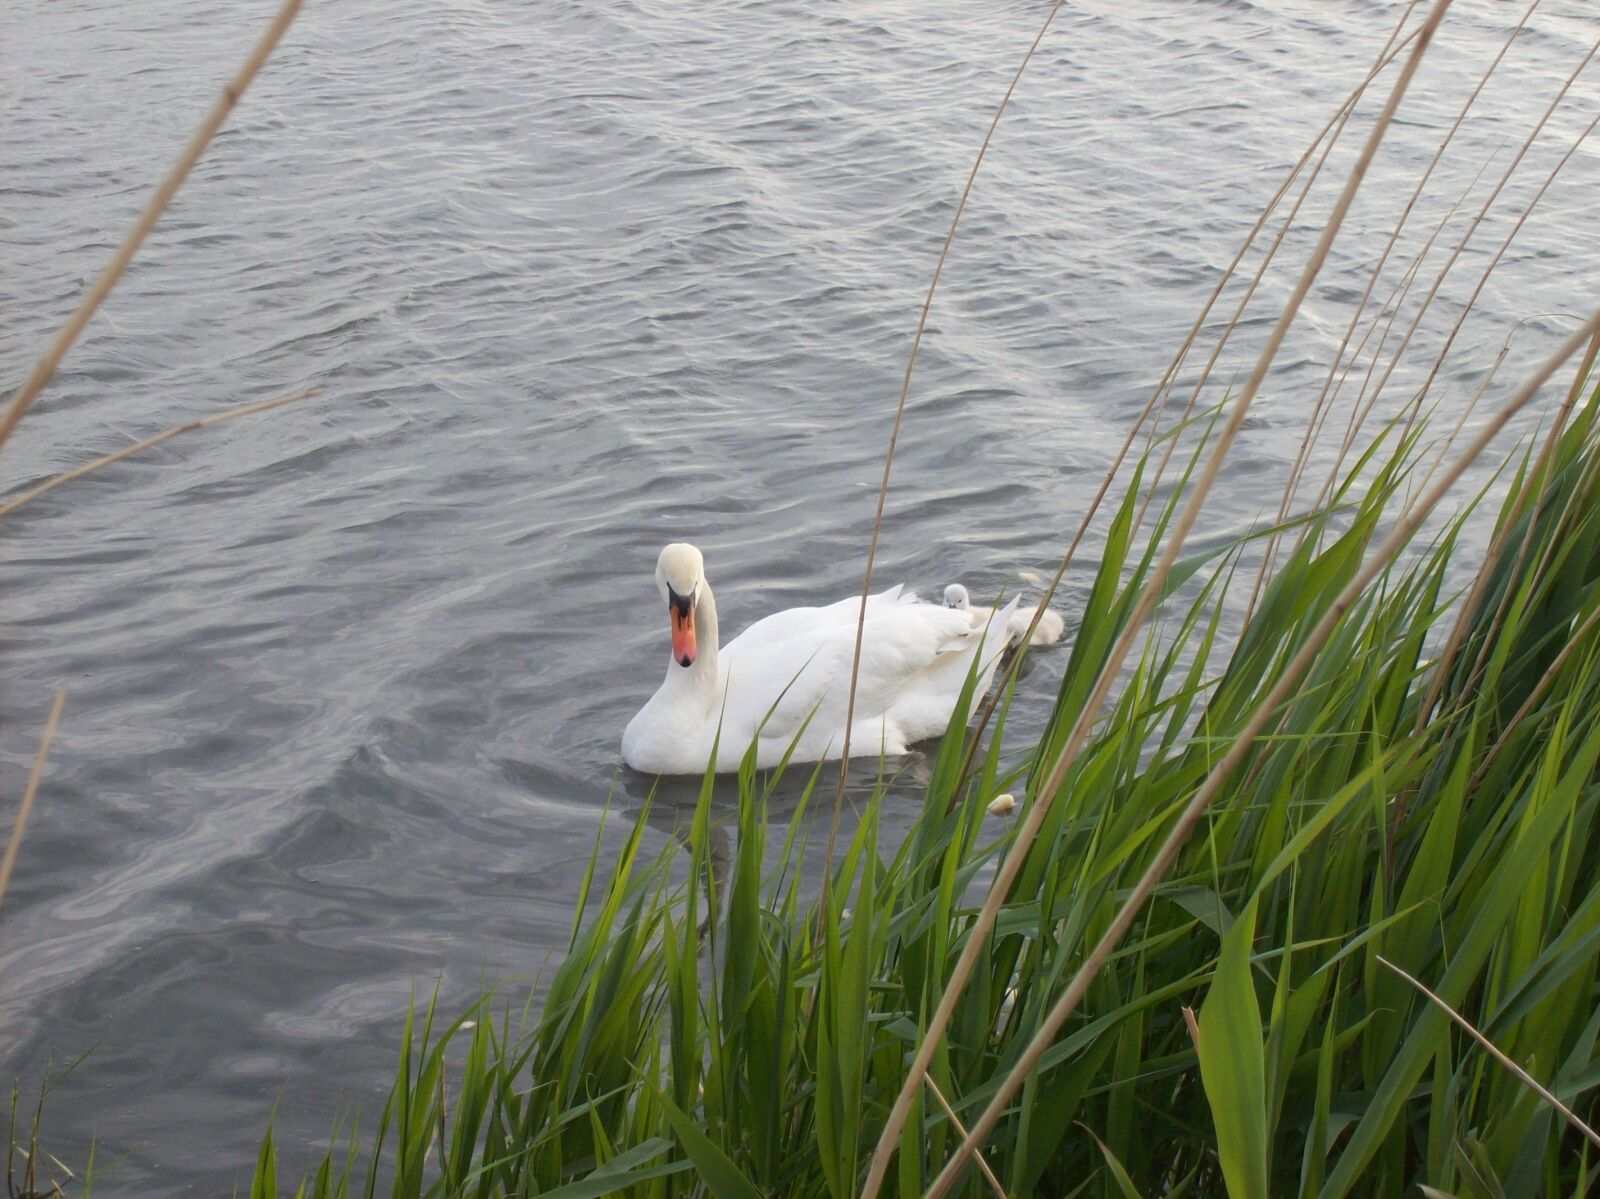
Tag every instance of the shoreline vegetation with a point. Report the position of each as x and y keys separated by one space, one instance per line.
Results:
x=1409 y=813
x=1303 y=901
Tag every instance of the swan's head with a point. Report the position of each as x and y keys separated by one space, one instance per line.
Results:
x=955 y=596
x=680 y=572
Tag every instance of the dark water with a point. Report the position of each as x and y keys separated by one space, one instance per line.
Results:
x=347 y=681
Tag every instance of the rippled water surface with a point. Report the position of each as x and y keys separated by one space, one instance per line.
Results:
x=347 y=681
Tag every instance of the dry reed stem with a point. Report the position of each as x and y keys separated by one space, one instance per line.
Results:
x=1529 y=493
x=1499 y=1055
x=1029 y=827
x=1559 y=425
x=216 y=418
x=1533 y=489
x=1325 y=399
x=30 y=791
x=1488 y=270
x=1411 y=203
x=1337 y=123
x=1362 y=411
x=1193 y=401
x=1574 y=639
x=1469 y=607
x=1385 y=56
x=1326 y=402
x=1334 y=472
x=1241 y=745
x=1533 y=486
x=899 y=417
x=983 y=1166
x=1441 y=455
x=153 y=209
x=1366 y=395
x=1163 y=387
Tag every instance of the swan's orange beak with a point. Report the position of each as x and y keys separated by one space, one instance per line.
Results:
x=682 y=612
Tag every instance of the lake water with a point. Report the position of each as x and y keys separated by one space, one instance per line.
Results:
x=346 y=681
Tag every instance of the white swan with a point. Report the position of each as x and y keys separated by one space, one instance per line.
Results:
x=785 y=680
x=1049 y=631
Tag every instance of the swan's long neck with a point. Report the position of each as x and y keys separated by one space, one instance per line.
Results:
x=706 y=636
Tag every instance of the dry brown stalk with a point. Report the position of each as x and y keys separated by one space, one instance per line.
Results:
x=1369 y=395
x=1500 y=1056
x=955 y=1120
x=1531 y=486
x=1390 y=51
x=1401 y=534
x=1232 y=322
x=1399 y=225
x=978 y=934
x=899 y=417
x=204 y=422
x=1163 y=386
x=1574 y=640
x=1416 y=322
x=154 y=207
x=1327 y=399
x=1336 y=124
x=1441 y=455
x=1494 y=261
x=32 y=789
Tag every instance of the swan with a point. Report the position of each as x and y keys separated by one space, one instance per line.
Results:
x=1048 y=631
x=784 y=682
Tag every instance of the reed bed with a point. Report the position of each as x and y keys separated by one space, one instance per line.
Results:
x=724 y=1034
x=1309 y=907
x=1386 y=777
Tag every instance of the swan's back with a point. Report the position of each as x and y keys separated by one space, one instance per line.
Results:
x=789 y=676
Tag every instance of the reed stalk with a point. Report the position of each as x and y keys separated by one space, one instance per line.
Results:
x=1034 y=820
x=188 y=426
x=900 y=412
x=14 y=843
x=232 y=92
x=1404 y=530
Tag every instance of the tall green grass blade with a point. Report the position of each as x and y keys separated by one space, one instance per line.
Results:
x=721 y=1178
x=1232 y=1066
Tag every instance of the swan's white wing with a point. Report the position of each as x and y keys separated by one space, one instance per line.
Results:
x=926 y=701
x=803 y=622
x=806 y=676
